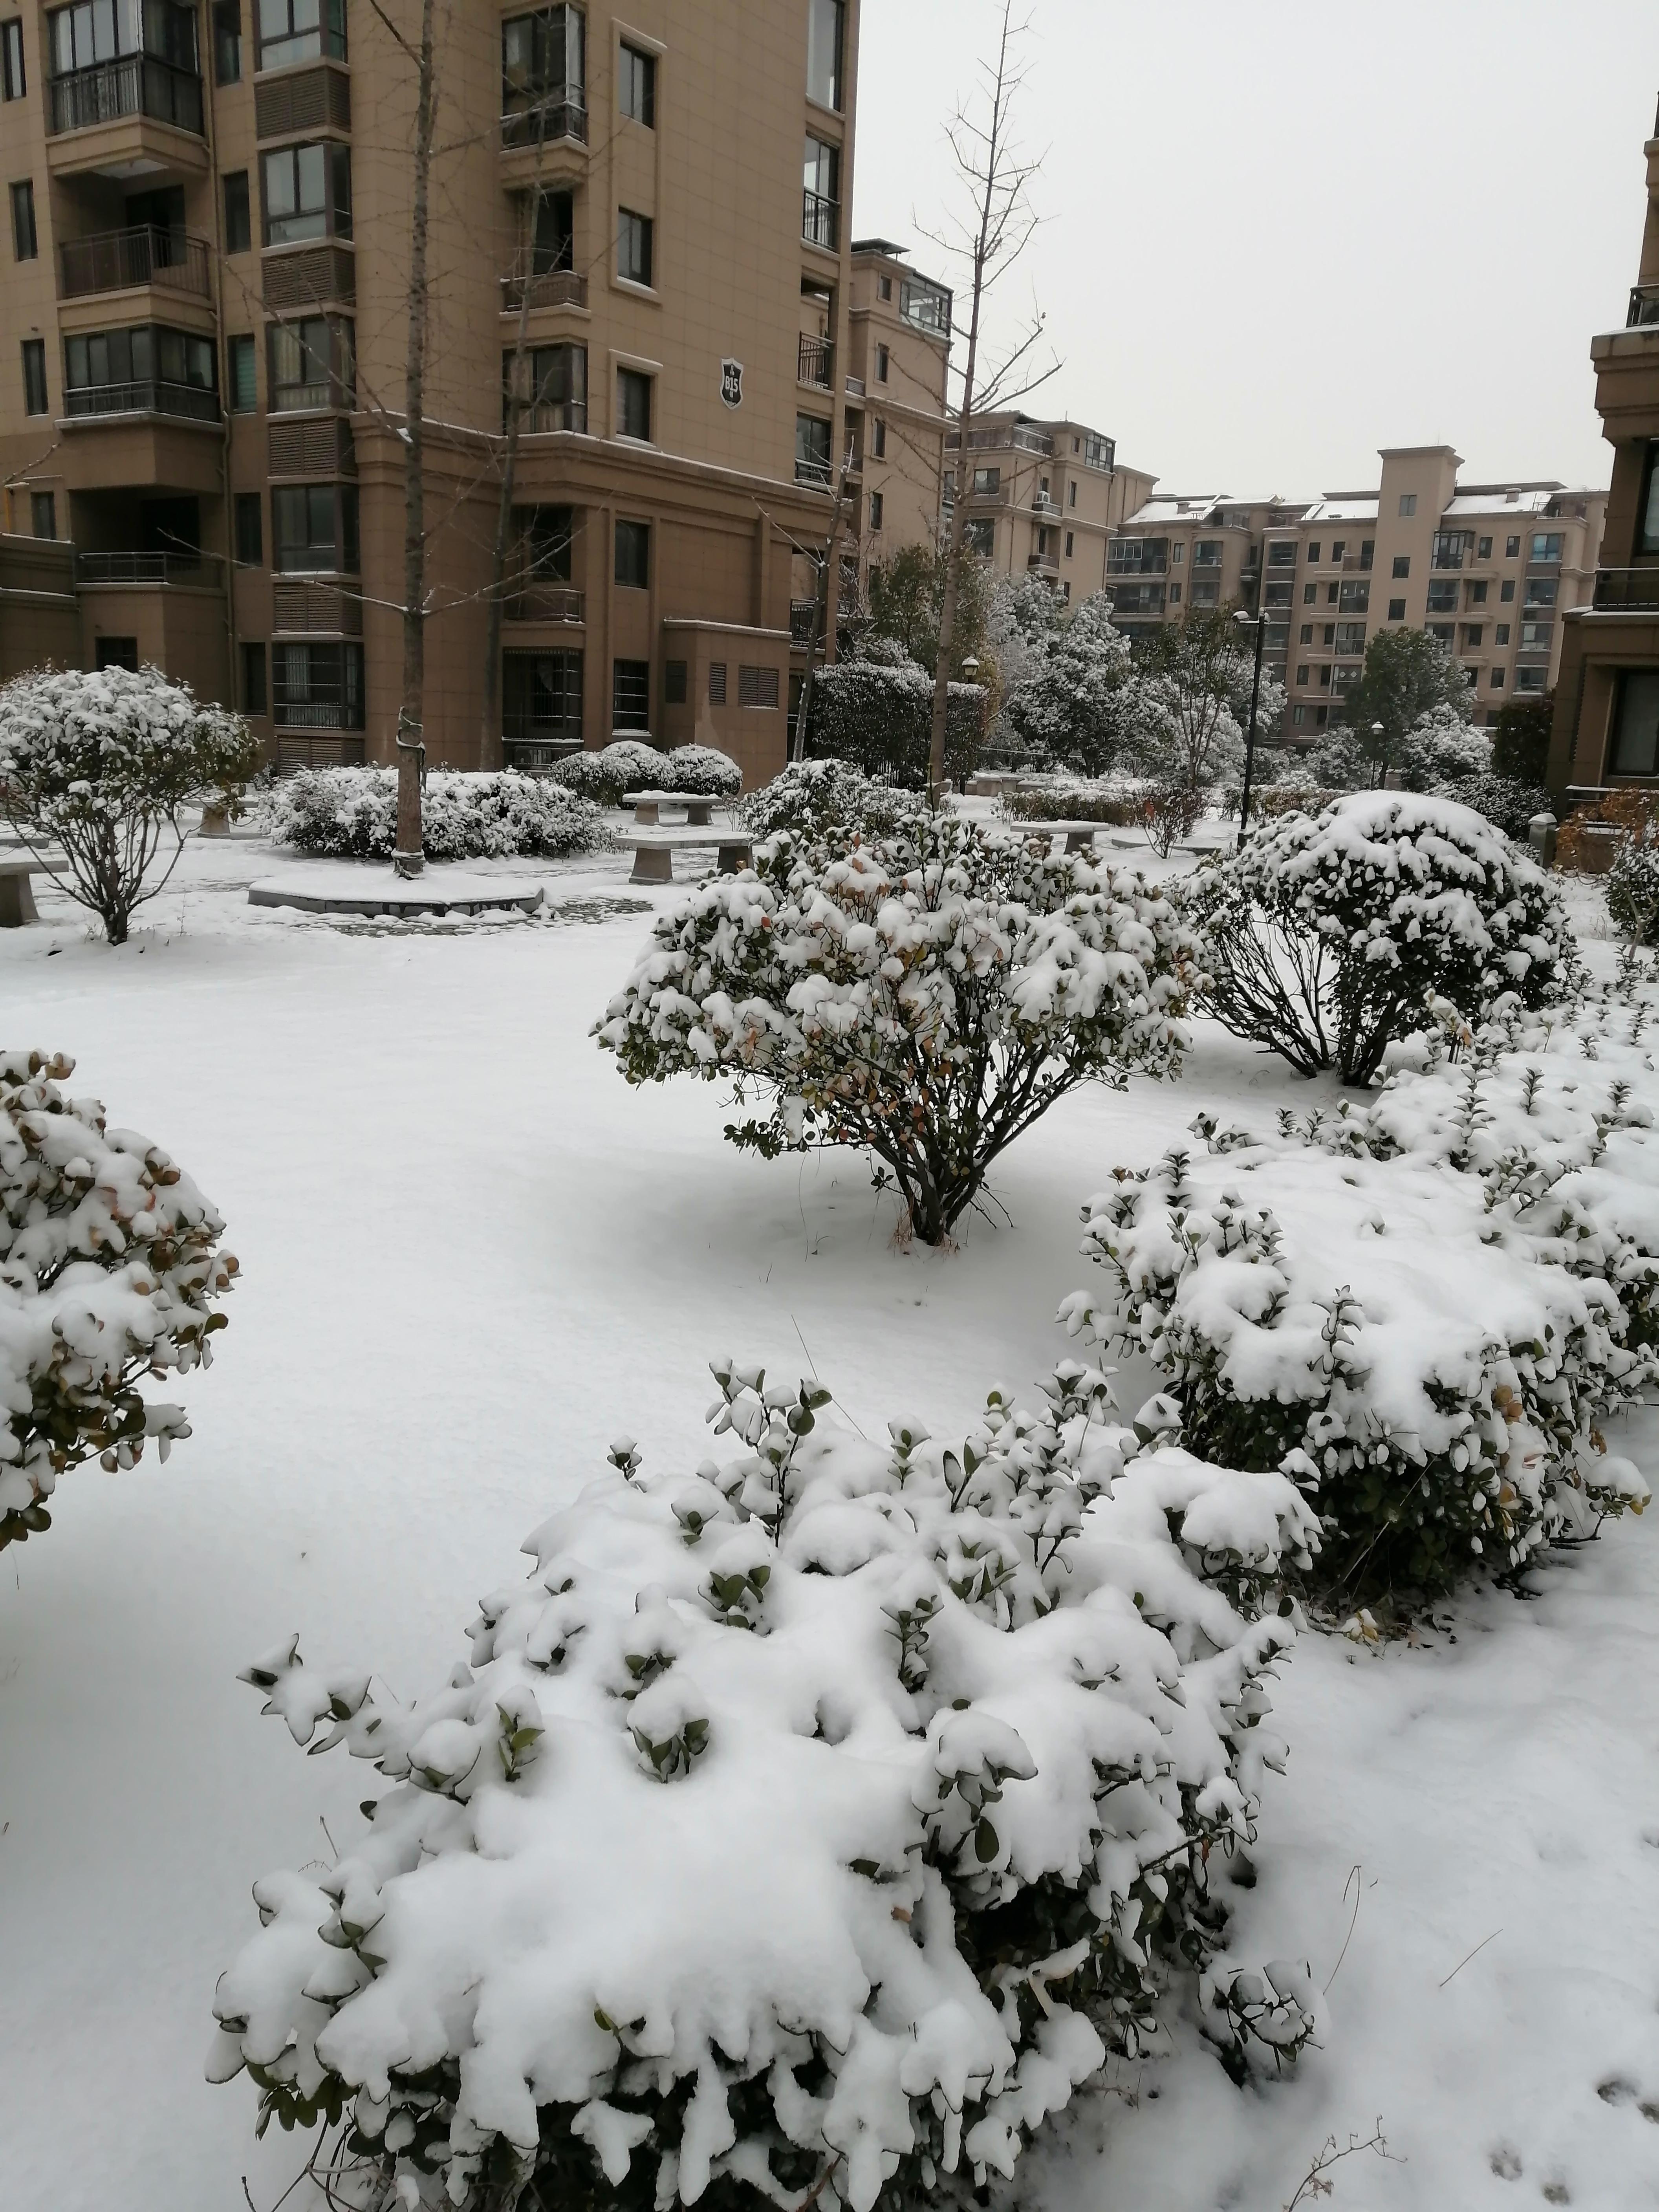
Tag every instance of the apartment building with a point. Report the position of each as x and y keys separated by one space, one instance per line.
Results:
x=207 y=293
x=1176 y=552
x=1043 y=498
x=1605 y=732
x=897 y=399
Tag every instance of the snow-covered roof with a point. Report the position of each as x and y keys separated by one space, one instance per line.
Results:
x=1172 y=507
x=1531 y=499
x=1343 y=506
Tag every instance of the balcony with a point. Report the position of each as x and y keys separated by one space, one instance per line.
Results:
x=1044 y=564
x=855 y=388
x=820 y=221
x=816 y=361
x=550 y=414
x=188 y=402
x=535 y=755
x=1643 y=305
x=1022 y=438
x=1635 y=588
x=546 y=288
x=547 y=123
x=813 y=472
x=544 y=603
x=137 y=84
x=121 y=260
x=1042 y=504
x=138 y=568
x=803 y=618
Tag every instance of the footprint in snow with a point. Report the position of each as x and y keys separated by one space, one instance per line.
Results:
x=1555 y=2193
x=1615 y=2090
x=1506 y=2162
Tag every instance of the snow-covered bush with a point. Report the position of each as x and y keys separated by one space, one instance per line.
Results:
x=1432 y=1367
x=1193 y=685
x=880 y=718
x=1118 y=799
x=809 y=1826
x=352 y=812
x=1325 y=939
x=924 y=998
x=98 y=765
x=108 y=1272
x=625 y=764
x=702 y=768
x=824 y=799
x=1510 y=804
x=1632 y=888
x=1077 y=703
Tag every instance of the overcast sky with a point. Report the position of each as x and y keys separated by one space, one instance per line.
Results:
x=1278 y=237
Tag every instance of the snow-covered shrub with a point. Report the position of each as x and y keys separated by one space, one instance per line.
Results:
x=1077 y=702
x=1632 y=888
x=1325 y=939
x=881 y=719
x=98 y=765
x=626 y=764
x=108 y=1272
x=1434 y=1368
x=812 y=1825
x=702 y=768
x=352 y=814
x=924 y=998
x=1510 y=804
x=1116 y=800
x=824 y=799
x=1441 y=747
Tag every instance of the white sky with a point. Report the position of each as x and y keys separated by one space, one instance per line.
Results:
x=1279 y=237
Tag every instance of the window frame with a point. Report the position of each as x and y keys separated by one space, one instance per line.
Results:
x=25 y=235
x=237 y=205
x=43 y=504
x=244 y=504
x=347 y=682
x=826 y=55
x=327 y=42
x=241 y=346
x=636 y=67
x=635 y=248
x=563 y=362
x=333 y=214
x=14 y=72
x=637 y=679
x=35 y=385
x=342 y=543
x=336 y=385
x=256 y=696
x=631 y=568
x=225 y=33
x=635 y=383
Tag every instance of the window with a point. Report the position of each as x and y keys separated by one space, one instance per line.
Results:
x=812 y=450
x=756 y=687
x=1313 y=553
x=35 y=376
x=553 y=233
x=13 y=84
x=1071 y=493
x=633 y=247
x=255 y=697
x=1324 y=678
x=1356 y=599
x=1397 y=611
x=1483 y=549
x=980 y=536
x=146 y=366
x=317 y=687
x=1070 y=543
x=673 y=683
x=717 y=683
x=1350 y=637
x=43 y=514
x=1302 y=672
x=301 y=31
x=25 y=245
x=878 y=443
x=1541 y=591
x=1535 y=636
x=1472 y=635
x=987 y=482
x=544 y=77
x=1175 y=595
x=1501 y=634
x=636 y=87
x=1443 y=595
x=1367 y=552
x=1447 y=549
x=1547 y=545
x=826 y=39
x=1304 y=635
x=1402 y=566
x=1530 y=679
x=239 y=227
x=634 y=407
x=250 y=536
x=820 y=195
x=553 y=393
x=1506 y=590
x=1310 y=595
x=1477 y=595
x=241 y=387
x=883 y=288
x=634 y=555
x=1407 y=503
x=1636 y=724
x=314 y=529
x=1511 y=549
x=542 y=697
x=1282 y=556
x=307 y=193
x=227 y=41
x=1276 y=595
x=630 y=695
x=1328 y=635
x=1177 y=551
x=1333 y=595
x=117 y=653
x=544 y=537
x=1440 y=632
x=882 y=359
x=1339 y=547
x=1497 y=679
x=312 y=363
x=1648 y=541
x=1206 y=553
x=876 y=504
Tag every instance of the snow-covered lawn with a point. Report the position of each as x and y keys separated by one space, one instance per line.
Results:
x=471 y=1256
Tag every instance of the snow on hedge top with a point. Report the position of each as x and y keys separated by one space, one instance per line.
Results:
x=727 y=1787
x=88 y=745
x=107 y=1271
x=352 y=812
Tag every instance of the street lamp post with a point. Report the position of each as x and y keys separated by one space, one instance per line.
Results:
x=1259 y=622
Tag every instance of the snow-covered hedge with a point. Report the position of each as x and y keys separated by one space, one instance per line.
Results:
x=352 y=812
x=1325 y=939
x=97 y=766
x=826 y=798
x=109 y=1272
x=1512 y=804
x=881 y=718
x=1633 y=890
x=924 y=998
x=808 y=1826
x=630 y=764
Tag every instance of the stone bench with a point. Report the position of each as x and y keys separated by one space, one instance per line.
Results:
x=653 y=850
x=647 y=806
x=1080 y=835
x=17 y=900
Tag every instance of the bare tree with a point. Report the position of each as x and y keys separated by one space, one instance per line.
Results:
x=824 y=565
x=990 y=238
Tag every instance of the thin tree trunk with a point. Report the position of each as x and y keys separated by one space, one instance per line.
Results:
x=820 y=608
x=408 y=858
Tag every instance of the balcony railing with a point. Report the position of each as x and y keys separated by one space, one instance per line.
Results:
x=137 y=568
x=1022 y=438
x=816 y=361
x=318 y=714
x=808 y=471
x=117 y=260
x=1045 y=565
x=803 y=614
x=137 y=84
x=1140 y=564
x=152 y=398
x=548 y=287
x=1627 y=587
x=544 y=603
x=1042 y=504
x=535 y=419
x=546 y=121
x=820 y=220
x=1644 y=304
x=532 y=756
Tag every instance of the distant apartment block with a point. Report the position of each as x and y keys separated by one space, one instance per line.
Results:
x=1043 y=497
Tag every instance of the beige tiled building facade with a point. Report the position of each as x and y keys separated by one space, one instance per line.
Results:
x=206 y=293
x=1043 y=497
x=1489 y=569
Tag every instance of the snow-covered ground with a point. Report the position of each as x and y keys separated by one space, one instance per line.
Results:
x=471 y=1256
